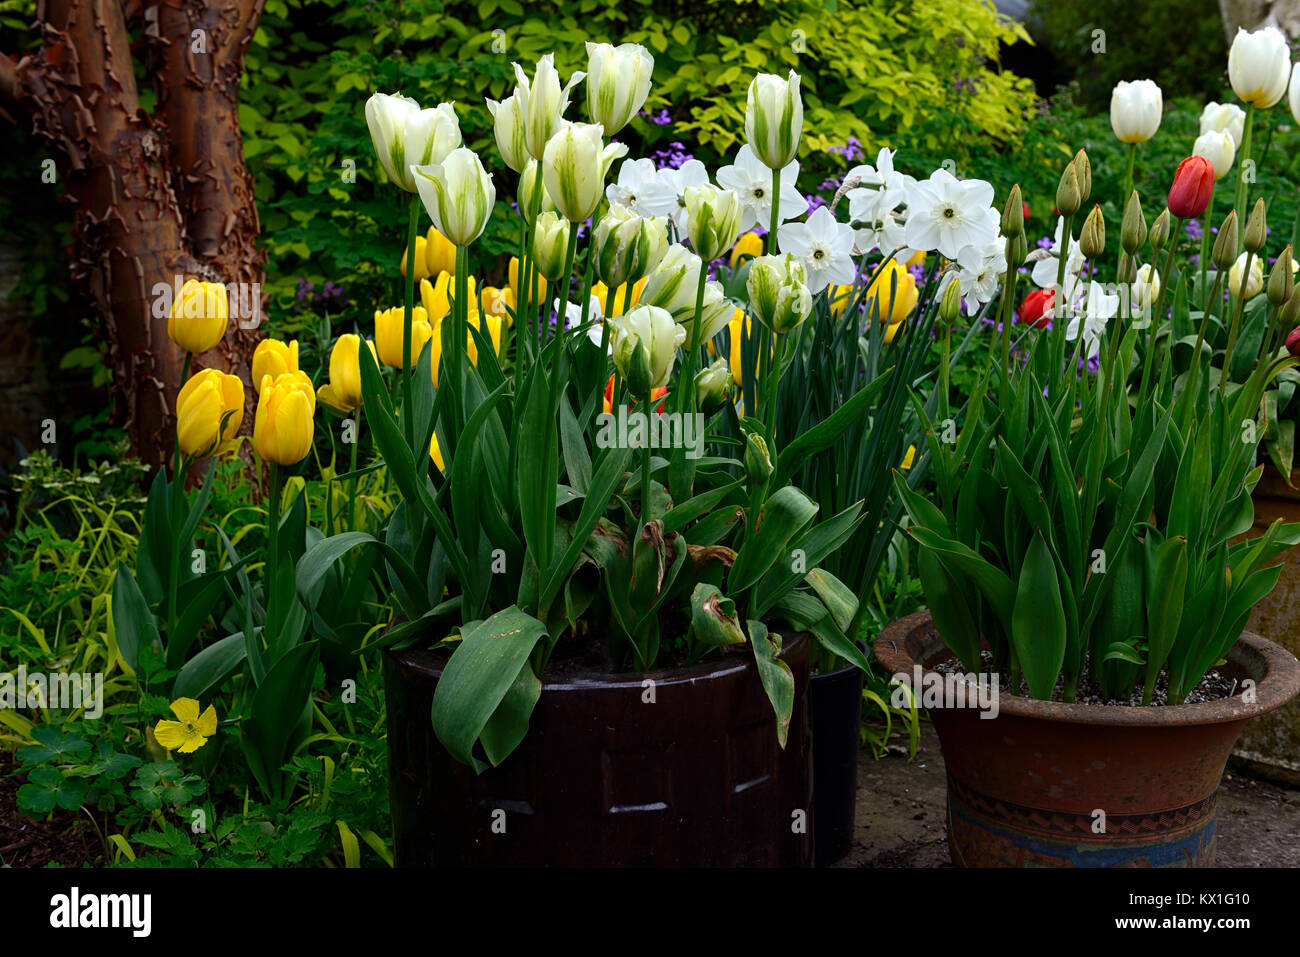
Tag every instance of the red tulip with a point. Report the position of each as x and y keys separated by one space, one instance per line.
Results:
x=1026 y=205
x=1036 y=310
x=1193 y=186
x=1293 y=342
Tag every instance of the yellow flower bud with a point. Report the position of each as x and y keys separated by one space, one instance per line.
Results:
x=283 y=428
x=892 y=295
x=274 y=358
x=207 y=398
x=388 y=334
x=343 y=391
x=421 y=258
x=199 y=317
x=516 y=279
x=439 y=254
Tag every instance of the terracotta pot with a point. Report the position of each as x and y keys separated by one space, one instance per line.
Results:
x=836 y=699
x=1270 y=747
x=608 y=777
x=1028 y=787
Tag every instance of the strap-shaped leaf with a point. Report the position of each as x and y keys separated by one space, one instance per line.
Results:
x=785 y=514
x=713 y=617
x=1038 y=623
x=775 y=674
x=133 y=622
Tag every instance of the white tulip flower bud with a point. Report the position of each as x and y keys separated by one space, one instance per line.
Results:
x=618 y=82
x=405 y=135
x=778 y=292
x=533 y=197
x=1259 y=65
x=574 y=167
x=714 y=216
x=509 y=126
x=550 y=245
x=652 y=330
x=1136 y=109
x=542 y=102
x=627 y=246
x=458 y=195
x=1224 y=118
x=1253 y=284
x=774 y=119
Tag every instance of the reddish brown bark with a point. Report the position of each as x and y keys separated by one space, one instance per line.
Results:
x=155 y=198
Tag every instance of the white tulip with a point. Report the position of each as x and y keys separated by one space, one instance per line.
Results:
x=618 y=82
x=652 y=331
x=1135 y=110
x=778 y=292
x=1219 y=149
x=1293 y=93
x=405 y=135
x=627 y=246
x=1146 y=287
x=550 y=245
x=509 y=126
x=1259 y=65
x=574 y=166
x=542 y=102
x=458 y=195
x=774 y=119
x=1254 y=282
x=713 y=222
x=1224 y=118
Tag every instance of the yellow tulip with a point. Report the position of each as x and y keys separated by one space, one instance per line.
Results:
x=421 y=258
x=435 y=452
x=199 y=317
x=439 y=254
x=204 y=401
x=892 y=294
x=343 y=391
x=471 y=347
x=515 y=280
x=499 y=302
x=436 y=296
x=283 y=428
x=892 y=330
x=909 y=458
x=749 y=244
x=601 y=291
x=918 y=258
x=388 y=334
x=840 y=297
x=274 y=358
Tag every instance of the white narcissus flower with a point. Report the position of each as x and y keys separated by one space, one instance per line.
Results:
x=574 y=167
x=405 y=135
x=1224 y=118
x=1254 y=282
x=458 y=195
x=653 y=330
x=713 y=219
x=542 y=102
x=1259 y=65
x=1090 y=320
x=627 y=246
x=945 y=214
x=1293 y=93
x=778 y=292
x=774 y=119
x=753 y=181
x=1135 y=110
x=618 y=82
x=642 y=190
x=1217 y=148
x=980 y=271
x=1045 y=270
x=824 y=246
x=675 y=182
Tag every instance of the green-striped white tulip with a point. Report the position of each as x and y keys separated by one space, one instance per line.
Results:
x=628 y=246
x=713 y=223
x=458 y=195
x=774 y=119
x=508 y=125
x=542 y=102
x=652 y=330
x=778 y=292
x=405 y=135
x=618 y=82
x=673 y=286
x=574 y=167
x=550 y=245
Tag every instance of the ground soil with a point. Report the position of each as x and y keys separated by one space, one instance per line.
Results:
x=64 y=839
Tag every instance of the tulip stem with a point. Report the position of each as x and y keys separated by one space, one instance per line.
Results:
x=412 y=224
x=352 y=467
x=1158 y=311
x=775 y=219
x=1205 y=238
x=273 y=545
x=562 y=300
x=177 y=503
x=1128 y=173
x=1058 y=301
x=686 y=400
x=1244 y=168
x=461 y=334
x=1236 y=315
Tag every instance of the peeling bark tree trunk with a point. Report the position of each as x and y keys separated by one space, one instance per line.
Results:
x=156 y=198
x=1253 y=14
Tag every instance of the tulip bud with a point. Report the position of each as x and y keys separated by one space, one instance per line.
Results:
x=1259 y=65
x=343 y=390
x=389 y=326
x=1083 y=168
x=618 y=82
x=1192 y=188
x=774 y=119
x=1244 y=285
x=283 y=428
x=1279 y=278
x=1224 y=253
x=1224 y=118
x=421 y=260
x=1146 y=285
x=778 y=292
x=542 y=102
x=1135 y=110
x=439 y=254
x=405 y=135
x=1289 y=314
x=713 y=387
x=1092 y=238
x=892 y=294
x=758 y=460
x=1019 y=251
x=1013 y=213
x=274 y=358
x=950 y=301
x=1127 y=271
x=458 y=194
x=509 y=126
x=1133 y=230
x=626 y=246
x=1293 y=342
x=714 y=219
x=1068 y=196
x=209 y=411
x=550 y=245
x=1219 y=149
x=644 y=344
x=1256 y=232
x=1159 y=234
x=574 y=167
x=198 y=319
x=514 y=279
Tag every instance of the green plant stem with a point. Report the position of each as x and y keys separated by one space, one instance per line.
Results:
x=177 y=502
x=273 y=546
x=1204 y=255
x=352 y=467
x=460 y=338
x=1244 y=168
x=412 y=225
x=562 y=300
x=1129 y=163
x=774 y=221
x=1236 y=316
x=686 y=400
x=1058 y=302
x=1158 y=311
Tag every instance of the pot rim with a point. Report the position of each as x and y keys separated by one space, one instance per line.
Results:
x=1278 y=685
x=427 y=662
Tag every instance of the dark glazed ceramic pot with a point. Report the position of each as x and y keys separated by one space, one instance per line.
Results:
x=1029 y=787
x=671 y=768
x=836 y=717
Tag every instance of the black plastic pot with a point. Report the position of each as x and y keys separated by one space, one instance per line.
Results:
x=836 y=703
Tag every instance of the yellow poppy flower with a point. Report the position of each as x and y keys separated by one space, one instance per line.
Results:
x=190 y=731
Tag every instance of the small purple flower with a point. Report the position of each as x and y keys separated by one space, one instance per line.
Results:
x=852 y=150
x=1045 y=243
x=1193 y=229
x=658 y=119
x=671 y=158
x=814 y=201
